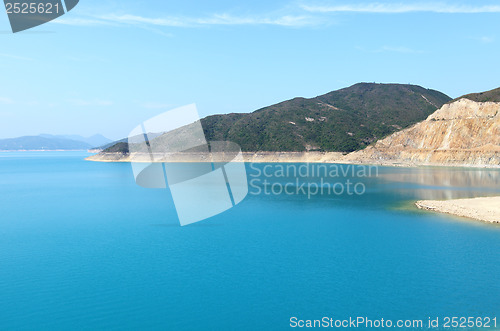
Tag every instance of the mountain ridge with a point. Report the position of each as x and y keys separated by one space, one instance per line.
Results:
x=51 y=142
x=487 y=96
x=343 y=120
x=95 y=140
x=460 y=133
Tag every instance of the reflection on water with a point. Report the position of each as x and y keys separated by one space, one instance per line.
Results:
x=443 y=183
x=382 y=183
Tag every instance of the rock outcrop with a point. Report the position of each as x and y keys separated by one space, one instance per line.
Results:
x=462 y=133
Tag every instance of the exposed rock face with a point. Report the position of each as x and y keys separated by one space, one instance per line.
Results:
x=463 y=133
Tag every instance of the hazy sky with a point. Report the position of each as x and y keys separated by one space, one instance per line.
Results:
x=108 y=65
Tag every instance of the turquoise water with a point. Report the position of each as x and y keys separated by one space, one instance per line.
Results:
x=83 y=247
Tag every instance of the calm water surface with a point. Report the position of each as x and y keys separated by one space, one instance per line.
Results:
x=83 y=247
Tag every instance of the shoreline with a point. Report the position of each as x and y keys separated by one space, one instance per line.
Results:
x=486 y=209
x=278 y=157
x=44 y=150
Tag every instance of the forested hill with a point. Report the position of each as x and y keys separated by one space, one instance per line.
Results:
x=340 y=121
x=488 y=96
x=344 y=120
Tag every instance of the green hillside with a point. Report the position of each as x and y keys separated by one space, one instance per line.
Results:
x=492 y=96
x=344 y=121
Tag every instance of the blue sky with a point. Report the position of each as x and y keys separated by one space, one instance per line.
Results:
x=108 y=65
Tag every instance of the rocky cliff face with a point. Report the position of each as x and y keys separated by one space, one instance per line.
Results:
x=464 y=133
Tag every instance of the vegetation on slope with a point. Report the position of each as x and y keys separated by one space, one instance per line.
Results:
x=488 y=96
x=342 y=121
x=345 y=120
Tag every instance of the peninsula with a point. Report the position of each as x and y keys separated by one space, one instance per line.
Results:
x=384 y=124
x=483 y=209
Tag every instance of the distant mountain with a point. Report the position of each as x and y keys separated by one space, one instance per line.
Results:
x=41 y=143
x=94 y=141
x=340 y=121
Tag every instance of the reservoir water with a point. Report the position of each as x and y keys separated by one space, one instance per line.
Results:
x=82 y=247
